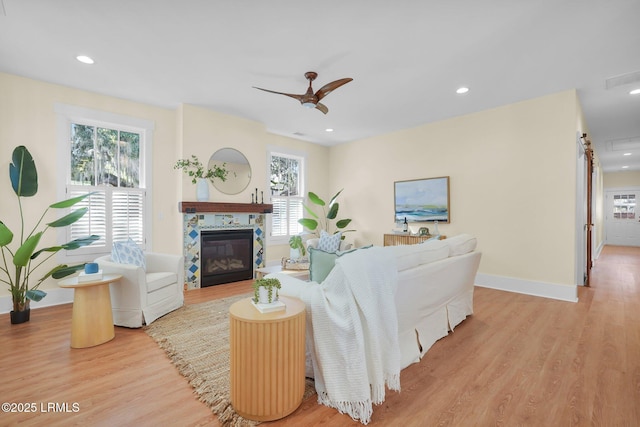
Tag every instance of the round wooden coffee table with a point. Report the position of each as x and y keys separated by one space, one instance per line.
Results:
x=267 y=358
x=92 y=319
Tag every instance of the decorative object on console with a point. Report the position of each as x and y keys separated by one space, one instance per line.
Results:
x=312 y=224
x=422 y=200
x=424 y=231
x=24 y=181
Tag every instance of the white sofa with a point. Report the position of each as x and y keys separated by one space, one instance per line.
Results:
x=434 y=291
x=145 y=294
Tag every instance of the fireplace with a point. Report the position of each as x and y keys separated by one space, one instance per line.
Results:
x=226 y=256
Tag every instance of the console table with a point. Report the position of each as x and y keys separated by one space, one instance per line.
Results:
x=406 y=239
x=267 y=358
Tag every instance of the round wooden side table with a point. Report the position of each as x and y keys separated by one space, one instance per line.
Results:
x=92 y=319
x=267 y=358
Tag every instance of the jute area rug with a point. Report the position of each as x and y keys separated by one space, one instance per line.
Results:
x=196 y=339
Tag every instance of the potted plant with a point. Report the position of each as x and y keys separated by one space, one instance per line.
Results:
x=296 y=243
x=24 y=181
x=199 y=174
x=319 y=222
x=265 y=291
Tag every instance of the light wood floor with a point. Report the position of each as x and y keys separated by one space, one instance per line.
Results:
x=518 y=361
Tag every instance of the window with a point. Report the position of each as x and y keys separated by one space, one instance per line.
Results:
x=287 y=190
x=624 y=206
x=108 y=158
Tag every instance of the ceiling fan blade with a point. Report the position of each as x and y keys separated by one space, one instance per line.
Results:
x=322 y=108
x=294 y=96
x=330 y=87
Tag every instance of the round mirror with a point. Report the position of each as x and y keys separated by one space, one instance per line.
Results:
x=239 y=170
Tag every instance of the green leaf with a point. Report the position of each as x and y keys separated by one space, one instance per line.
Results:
x=23 y=172
x=70 y=218
x=81 y=242
x=343 y=223
x=35 y=294
x=333 y=211
x=66 y=270
x=6 y=236
x=309 y=211
x=308 y=223
x=24 y=252
x=74 y=244
x=313 y=197
x=70 y=202
x=335 y=197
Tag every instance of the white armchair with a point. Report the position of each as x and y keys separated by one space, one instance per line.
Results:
x=142 y=296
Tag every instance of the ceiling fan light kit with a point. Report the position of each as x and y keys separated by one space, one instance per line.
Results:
x=310 y=99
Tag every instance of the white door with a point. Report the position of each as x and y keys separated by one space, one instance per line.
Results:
x=622 y=224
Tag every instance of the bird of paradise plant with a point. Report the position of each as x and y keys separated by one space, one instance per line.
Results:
x=19 y=263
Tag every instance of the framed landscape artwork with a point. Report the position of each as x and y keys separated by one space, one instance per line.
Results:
x=422 y=200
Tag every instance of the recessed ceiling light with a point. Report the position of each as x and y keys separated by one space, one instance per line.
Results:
x=462 y=90
x=635 y=92
x=625 y=167
x=329 y=130
x=626 y=154
x=84 y=59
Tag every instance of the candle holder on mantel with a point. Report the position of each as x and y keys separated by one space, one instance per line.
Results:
x=254 y=197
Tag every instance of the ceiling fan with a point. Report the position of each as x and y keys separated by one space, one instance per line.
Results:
x=309 y=99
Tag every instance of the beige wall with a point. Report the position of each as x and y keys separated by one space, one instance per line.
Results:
x=505 y=187
x=621 y=179
x=27 y=118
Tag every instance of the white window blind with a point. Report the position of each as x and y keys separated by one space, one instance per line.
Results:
x=286 y=185
x=108 y=155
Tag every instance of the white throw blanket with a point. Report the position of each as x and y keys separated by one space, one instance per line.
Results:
x=352 y=332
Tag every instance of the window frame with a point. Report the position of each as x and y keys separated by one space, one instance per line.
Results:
x=284 y=152
x=68 y=114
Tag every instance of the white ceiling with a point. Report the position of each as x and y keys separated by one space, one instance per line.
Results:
x=407 y=58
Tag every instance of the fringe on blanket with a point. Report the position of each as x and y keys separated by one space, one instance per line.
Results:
x=362 y=411
x=358 y=411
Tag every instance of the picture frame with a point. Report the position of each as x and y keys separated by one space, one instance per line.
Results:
x=422 y=200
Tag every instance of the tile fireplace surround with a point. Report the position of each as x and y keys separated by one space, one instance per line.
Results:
x=200 y=216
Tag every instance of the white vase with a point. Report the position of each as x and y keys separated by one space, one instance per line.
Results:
x=202 y=190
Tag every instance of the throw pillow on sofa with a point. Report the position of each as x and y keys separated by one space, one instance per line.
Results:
x=128 y=253
x=329 y=242
x=321 y=262
x=461 y=244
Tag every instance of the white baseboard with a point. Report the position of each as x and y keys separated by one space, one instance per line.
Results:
x=528 y=287
x=54 y=297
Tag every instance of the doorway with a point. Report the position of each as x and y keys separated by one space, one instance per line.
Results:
x=622 y=225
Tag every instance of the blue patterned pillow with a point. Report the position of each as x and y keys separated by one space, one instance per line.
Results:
x=128 y=253
x=329 y=242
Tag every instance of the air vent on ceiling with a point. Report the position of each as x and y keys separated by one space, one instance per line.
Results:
x=625 y=144
x=623 y=79
x=298 y=134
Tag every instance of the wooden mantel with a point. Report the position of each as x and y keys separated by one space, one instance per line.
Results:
x=208 y=207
